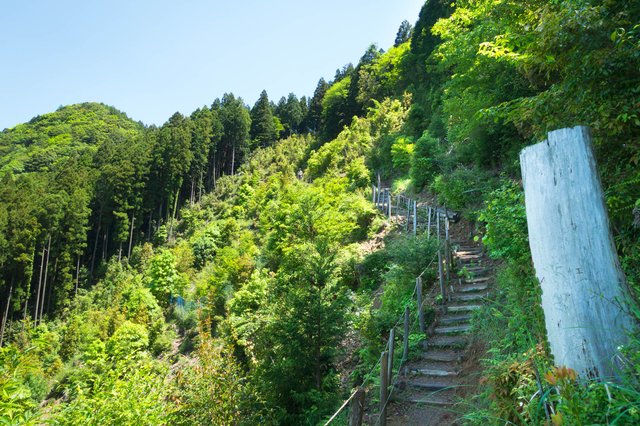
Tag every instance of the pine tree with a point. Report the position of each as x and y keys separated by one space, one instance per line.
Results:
x=314 y=115
x=404 y=33
x=236 y=122
x=263 y=127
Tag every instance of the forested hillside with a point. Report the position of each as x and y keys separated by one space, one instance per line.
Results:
x=228 y=267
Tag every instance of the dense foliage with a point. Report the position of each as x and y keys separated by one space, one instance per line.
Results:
x=209 y=271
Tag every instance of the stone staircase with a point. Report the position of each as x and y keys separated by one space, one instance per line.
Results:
x=431 y=385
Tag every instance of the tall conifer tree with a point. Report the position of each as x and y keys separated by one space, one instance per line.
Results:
x=263 y=126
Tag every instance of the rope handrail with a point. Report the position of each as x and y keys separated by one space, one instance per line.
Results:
x=344 y=404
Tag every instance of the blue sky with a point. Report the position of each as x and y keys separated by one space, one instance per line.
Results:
x=152 y=58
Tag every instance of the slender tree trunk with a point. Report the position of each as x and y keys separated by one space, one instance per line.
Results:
x=318 y=367
x=150 y=221
x=173 y=215
x=233 y=161
x=35 y=314
x=95 y=243
x=200 y=185
x=105 y=245
x=133 y=220
x=77 y=275
x=193 y=194
x=44 y=283
x=159 y=213
x=6 y=312
x=120 y=252
x=215 y=170
x=53 y=280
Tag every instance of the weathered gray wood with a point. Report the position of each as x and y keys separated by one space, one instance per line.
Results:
x=133 y=220
x=448 y=248
x=447 y=261
x=77 y=275
x=415 y=217
x=356 y=408
x=429 y=223
x=392 y=341
x=6 y=313
x=583 y=288
x=384 y=394
x=405 y=337
x=441 y=275
x=35 y=314
x=421 y=321
x=44 y=282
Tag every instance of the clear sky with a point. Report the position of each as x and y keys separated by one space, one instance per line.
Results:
x=152 y=58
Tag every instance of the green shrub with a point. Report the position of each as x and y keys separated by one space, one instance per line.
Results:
x=401 y=153
x=506 y=234
x=463 y=189
x=204 y=245
x=424 y=162
x=128 y=341
x=163 y=277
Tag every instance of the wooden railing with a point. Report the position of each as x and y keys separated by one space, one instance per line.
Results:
x=415 y=217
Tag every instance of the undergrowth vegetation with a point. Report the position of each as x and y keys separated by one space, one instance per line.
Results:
x=253 y=277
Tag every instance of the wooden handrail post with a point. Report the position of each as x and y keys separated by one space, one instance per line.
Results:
x=441 y=274
x=392 y=341
x=384 y=394
x=415 y=216
x=423 y=327
x=405 y=338
x=356 y=411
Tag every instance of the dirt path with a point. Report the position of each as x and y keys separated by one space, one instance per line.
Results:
x=432 y=387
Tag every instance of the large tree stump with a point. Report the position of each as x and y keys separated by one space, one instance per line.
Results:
x=584 y=291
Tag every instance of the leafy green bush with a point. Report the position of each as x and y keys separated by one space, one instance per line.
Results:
x=163 y=277
x=463 y=189
x=506 y=234
x=16 y=403
x=401 y=153
x=128 y=341
x=213 y=391
x=424 y=162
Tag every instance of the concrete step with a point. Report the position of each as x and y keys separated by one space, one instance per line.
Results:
x=471 y=297
x=474 y=272
x=462 y=248
x=476 y=280
x=430 y=368
x=445 y=342
x=453 y=319
x=433 y=372
x=453 y=329
x=468 y=255
x=472 y=264
x=442 y=355
x=426 y=385
x=462 y=308
x=430 y=401
x=470 y=288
